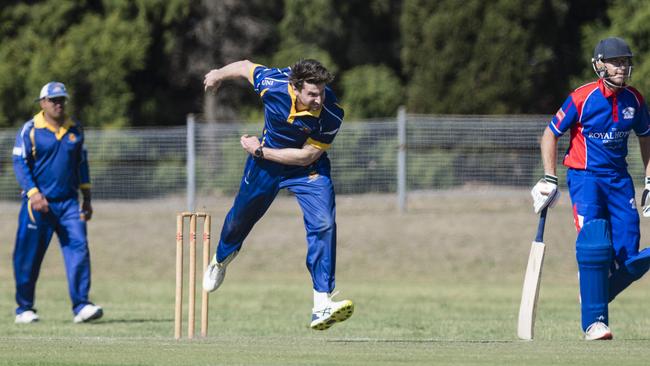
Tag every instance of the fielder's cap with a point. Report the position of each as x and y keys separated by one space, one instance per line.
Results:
x=611 y=47
x=53 y=89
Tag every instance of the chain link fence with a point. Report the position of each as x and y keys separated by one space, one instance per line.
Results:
x=442 y=152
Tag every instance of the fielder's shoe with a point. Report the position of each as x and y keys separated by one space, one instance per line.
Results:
x=598 y=331
x=332 y=312
x=26 y=317
x=87 y=313
x=216 y=272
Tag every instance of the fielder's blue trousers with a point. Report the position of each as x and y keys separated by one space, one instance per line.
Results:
x=32 y=240
x=314 y=191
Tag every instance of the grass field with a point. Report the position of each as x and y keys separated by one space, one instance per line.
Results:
x=438 y=285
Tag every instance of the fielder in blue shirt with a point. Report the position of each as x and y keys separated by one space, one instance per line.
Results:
x=302 y=118
x=600 y=116
x=51 y=167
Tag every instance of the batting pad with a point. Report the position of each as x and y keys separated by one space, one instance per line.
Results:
x=594 y=255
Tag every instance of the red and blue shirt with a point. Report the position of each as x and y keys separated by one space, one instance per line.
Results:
x=600 y=121
x=51 y=161
x=284 y=127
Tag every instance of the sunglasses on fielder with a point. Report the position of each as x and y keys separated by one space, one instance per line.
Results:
x=58 y=100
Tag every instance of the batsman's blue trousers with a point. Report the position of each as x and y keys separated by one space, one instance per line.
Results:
x=35 y=230
x=312 y=187
x=609 y=196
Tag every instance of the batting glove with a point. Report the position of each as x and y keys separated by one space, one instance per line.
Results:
x=645 y=200
x=545 y=193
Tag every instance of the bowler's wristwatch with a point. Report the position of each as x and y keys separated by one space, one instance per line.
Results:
x=259 y=153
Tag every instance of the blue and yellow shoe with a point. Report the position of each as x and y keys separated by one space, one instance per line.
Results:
x=331 y=313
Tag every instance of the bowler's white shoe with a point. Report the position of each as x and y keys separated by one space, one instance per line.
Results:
x=87 y=313
x=26 y=317
x=331 y=313
x=598 y=331
x=216 y=272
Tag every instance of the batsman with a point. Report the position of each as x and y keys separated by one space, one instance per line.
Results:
x=302 y=117
x=600 y=116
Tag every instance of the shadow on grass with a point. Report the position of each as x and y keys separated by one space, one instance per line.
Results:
x=130 y=321
x=372 y=340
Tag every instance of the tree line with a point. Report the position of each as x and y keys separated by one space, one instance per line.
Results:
x=141 y=62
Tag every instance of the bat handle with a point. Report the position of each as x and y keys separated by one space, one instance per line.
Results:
x=540 y=227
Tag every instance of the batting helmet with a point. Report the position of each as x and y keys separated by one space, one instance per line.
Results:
x=610 y=48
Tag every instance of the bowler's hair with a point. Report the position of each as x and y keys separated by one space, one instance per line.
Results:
x=310 y=71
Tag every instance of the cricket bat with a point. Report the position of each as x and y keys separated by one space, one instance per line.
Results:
x=530 y=292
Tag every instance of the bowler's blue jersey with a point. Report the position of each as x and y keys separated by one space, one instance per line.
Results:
x=51 y=161
x=284 y=127
x=600 y=121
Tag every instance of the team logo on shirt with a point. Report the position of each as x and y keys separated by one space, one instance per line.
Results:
x=614 y=139
x=611 y=135
x=559 y=115
x=72 y=137
x=628 y=113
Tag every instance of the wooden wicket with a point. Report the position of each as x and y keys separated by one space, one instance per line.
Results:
x=178 y=314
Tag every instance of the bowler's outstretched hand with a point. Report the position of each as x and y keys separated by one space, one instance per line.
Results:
x=212 y=81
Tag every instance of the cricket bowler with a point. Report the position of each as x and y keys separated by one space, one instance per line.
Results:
x=302 y=118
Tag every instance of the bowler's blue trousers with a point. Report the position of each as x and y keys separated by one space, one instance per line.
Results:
x=32 y=240
x=312 y=187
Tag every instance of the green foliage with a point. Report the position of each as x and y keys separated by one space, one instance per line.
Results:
x=304 y=35
x=93 y=55
x=95 y=48
x=422 y=175
x=482 y=57
x=371 y=91
x=141 y=62
x=95 y=60
x=290 y=52
x=356 y=180
x=631 y=21
x=310 y=22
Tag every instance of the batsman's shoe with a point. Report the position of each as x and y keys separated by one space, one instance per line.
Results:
x=598 y=331
x=88 y=313
x=216 y=272
x=26 y=317
x=331 y=313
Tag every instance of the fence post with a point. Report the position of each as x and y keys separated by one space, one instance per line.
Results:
x=191 y=163
x=401 y=159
